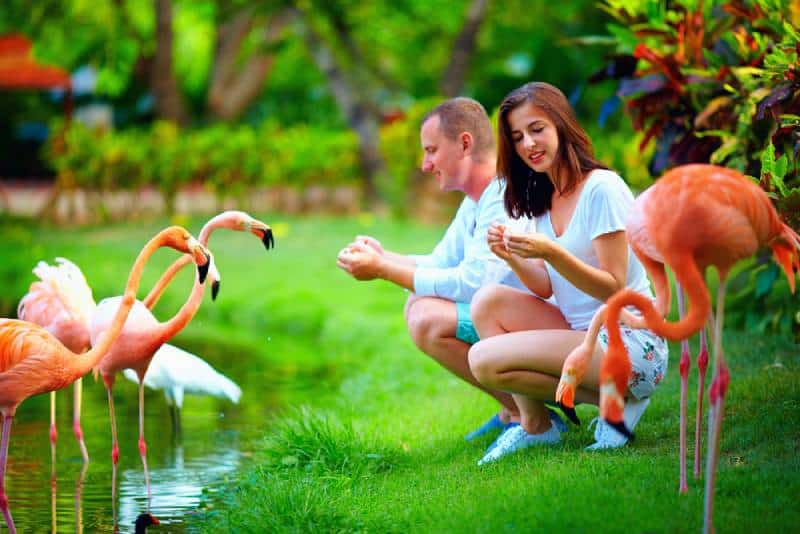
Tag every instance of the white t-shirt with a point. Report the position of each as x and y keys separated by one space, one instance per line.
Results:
x=457 y=267
x=602 y=208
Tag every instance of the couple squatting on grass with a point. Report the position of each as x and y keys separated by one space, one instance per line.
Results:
x=502 y=309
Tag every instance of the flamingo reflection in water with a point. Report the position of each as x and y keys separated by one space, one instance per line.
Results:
x=177 y=487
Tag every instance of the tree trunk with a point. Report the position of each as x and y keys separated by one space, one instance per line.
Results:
x=456 y=73
x=356 y=105
x=232 y=91
x=168 y=102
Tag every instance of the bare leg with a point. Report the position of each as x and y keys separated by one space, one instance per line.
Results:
x=529 y=364
x=719 y=387
x=142 y=444
x=53 y=434
x=6 y=436
x=685 y=363
x=498 y=309
x=702 y=365
x=76 y=418
x=432 y=324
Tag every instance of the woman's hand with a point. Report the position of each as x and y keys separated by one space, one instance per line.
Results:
x=533 y=245
x=496 y=241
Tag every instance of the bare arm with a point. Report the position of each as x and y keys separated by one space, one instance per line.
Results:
x=599 y=282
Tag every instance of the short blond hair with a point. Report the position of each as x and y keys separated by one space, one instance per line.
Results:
x=462 y=114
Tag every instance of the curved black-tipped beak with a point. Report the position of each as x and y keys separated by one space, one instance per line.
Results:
x=202 y=270
x=570 y=413
x=268 y=240
x=214 y=289
x=622 y=429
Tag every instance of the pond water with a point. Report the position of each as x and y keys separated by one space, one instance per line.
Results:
x=187 y=470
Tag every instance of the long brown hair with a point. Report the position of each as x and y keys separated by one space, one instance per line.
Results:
x=529 y=193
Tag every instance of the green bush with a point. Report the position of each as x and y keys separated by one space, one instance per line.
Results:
x=229 y=160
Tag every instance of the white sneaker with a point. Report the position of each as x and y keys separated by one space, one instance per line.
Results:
x=515 y=438
x=606 y=436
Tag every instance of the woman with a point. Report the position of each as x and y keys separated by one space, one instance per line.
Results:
x=579 y=254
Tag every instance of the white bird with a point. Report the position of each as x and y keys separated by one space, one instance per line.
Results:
x=176 y=372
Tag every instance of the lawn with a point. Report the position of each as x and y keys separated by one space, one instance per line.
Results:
x=376 y=443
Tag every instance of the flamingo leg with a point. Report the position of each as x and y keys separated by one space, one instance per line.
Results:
x=78 y=500
x=717 y=391
x=53 y=433
x=6 y=436
x=114 y=444
x=702 y=365
x=53 y=497
x=685 y=363
x=142 y=444
x=76 y=419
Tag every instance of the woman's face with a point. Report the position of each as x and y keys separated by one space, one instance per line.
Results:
x=534 y=136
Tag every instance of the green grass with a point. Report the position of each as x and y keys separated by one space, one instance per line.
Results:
x=377 y=445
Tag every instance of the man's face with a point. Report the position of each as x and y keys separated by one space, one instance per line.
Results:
x=444 y=158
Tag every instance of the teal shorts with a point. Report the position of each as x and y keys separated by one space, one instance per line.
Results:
x=465 y=330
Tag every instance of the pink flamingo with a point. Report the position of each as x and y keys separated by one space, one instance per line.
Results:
x=143 y=334
x=61 y=302
x=33 y=361
x=694 y=217
x=238 y=221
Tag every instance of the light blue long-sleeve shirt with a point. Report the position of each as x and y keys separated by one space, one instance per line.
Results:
x=457 y=267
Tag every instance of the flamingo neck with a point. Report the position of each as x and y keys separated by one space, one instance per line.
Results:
x=185 y=314
x=89 y=359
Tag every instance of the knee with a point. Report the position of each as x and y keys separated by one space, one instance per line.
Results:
x=481 y=365
x=484 y=305
x=424 y=325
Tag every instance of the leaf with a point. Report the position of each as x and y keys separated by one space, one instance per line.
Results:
x=765 y=279
x=779 y=171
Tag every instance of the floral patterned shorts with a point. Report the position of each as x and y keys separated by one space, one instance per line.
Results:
x=648 y=354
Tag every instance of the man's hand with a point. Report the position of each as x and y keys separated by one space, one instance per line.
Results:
x=360 y=261
x=370 y=242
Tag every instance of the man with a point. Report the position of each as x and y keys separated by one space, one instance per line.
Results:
x=459 y=150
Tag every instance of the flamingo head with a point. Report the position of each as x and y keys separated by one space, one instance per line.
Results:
x=565 y=395
x=260 y=230
x=214 y=276
x=612 y=405
x=145 y=520
x=240 y=221
x=180 y=239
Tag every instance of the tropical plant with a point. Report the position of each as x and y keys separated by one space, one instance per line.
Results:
x=717 y=82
